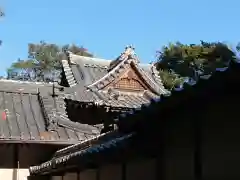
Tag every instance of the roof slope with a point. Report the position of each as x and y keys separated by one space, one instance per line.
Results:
x=87 y=70
x=86 y=75
x=31 y=114
x=220 y=83
x=131 y=122
x=84 y=152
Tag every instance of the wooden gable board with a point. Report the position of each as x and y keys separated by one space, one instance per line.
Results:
x=129 y=80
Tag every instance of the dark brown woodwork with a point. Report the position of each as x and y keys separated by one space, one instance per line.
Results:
x=91 y=114
x=87 y=113
x=130 y=74
x=124 y=171
x=129 y=81
x=16 y=161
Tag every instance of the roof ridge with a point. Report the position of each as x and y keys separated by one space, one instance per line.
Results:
x=24 y=82
x=155 y=85
x=129 y=57
x=82 y=70
x=95 y=59
x=111 y=72
x=54 y=110
x=125 y=58
x=72 y=55
x=84 y=143
x=68 y=73
x=117 y=70
x=95 y=144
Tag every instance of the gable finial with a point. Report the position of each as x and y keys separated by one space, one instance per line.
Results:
x=129 y=50
x=128 y=53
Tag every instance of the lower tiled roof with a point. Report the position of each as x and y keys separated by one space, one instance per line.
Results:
x=24 y=120
x=81 y=150
x=114 y=100
x=126 y=100
x=30 y=114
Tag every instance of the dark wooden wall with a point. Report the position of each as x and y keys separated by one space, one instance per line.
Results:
x=141 y=169
x=201 y=142
x=26 y=154
x=15 y=159
x=215 y=152
x=212 y=151
x=221 y=146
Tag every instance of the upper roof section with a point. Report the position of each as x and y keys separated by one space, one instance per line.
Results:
x=101 y=74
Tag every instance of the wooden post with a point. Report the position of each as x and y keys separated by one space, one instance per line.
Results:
x=124 y=171
x=15 y=161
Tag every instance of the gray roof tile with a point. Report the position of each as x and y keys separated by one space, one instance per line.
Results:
x=89 y=147
x=87 y=70
x=31 y=114
x=89 y=74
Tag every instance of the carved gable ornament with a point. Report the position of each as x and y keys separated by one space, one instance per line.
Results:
x=128 y=81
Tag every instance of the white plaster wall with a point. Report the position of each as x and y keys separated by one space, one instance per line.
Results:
x=7 y=174
x=23 y=174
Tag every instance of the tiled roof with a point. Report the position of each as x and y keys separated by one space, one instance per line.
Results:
x=127 y=100
x=86 y=76
x=84 y=70
x=29 y=113
x=128 y=121
x=107 y=98
x=223 y=81
x=112 y=140
x=88 y=71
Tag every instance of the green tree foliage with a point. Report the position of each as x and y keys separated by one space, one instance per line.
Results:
x=178 y=62
x=238 y=47
x=81 y=51
x=170 y=79
x=24 y=69
x=44 y=60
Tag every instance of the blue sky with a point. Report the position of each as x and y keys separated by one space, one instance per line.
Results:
x=105 y=27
